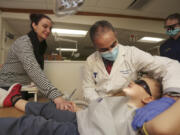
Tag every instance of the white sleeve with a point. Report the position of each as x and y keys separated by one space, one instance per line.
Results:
x=89 y=84
x=159 y=67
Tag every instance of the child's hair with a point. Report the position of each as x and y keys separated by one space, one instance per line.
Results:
x=155 y=86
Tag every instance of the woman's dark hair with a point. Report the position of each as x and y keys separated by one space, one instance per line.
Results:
x=100 y=24
x=174 y=16
x=39 y=48
x=37 y=17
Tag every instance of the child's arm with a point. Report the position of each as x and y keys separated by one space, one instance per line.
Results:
x=150 y=111
x=167 y=123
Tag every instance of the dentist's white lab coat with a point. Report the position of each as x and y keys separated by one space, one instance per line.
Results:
x=130 y=60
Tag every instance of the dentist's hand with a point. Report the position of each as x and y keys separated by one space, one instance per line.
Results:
x=63 y=104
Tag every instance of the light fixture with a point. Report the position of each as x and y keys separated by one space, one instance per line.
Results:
x=67 y=49
x=66 y=7
x=150 y=39
x=69 y=32
x=73 y=50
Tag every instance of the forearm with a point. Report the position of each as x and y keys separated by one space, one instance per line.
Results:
x=167 y=123
x=41 y=80
x=33 y=70
x=159 y=67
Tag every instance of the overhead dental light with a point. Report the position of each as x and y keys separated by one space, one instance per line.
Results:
x=67 y=7
x=69 y=32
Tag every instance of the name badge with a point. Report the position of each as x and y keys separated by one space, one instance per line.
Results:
x=125 y=71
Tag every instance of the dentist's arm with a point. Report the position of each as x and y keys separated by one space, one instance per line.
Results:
x=159 y=67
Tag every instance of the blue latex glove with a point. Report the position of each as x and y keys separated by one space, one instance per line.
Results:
x=151 y=110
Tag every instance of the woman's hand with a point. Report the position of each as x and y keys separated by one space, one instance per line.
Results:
x=63 y=104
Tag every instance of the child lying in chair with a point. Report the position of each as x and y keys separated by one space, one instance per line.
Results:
x=105 y=116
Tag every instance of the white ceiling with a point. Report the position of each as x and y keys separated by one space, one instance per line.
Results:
x=151 y=8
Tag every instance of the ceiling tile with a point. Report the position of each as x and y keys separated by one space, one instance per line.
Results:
x=119 y=4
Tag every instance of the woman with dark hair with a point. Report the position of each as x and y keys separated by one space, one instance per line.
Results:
x=25 y=62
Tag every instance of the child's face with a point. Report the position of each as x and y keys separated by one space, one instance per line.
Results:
x=136 y=91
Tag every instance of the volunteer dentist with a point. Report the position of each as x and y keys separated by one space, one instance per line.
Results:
x=113 y=65
x=171 y=47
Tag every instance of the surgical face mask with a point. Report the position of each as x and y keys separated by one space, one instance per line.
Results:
x=173 y=32
x=111 y=55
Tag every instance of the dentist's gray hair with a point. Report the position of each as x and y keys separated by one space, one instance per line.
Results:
x=100 y=27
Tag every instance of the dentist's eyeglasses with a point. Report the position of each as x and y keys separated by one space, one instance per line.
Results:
x=171 y=27
x=143 y=84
